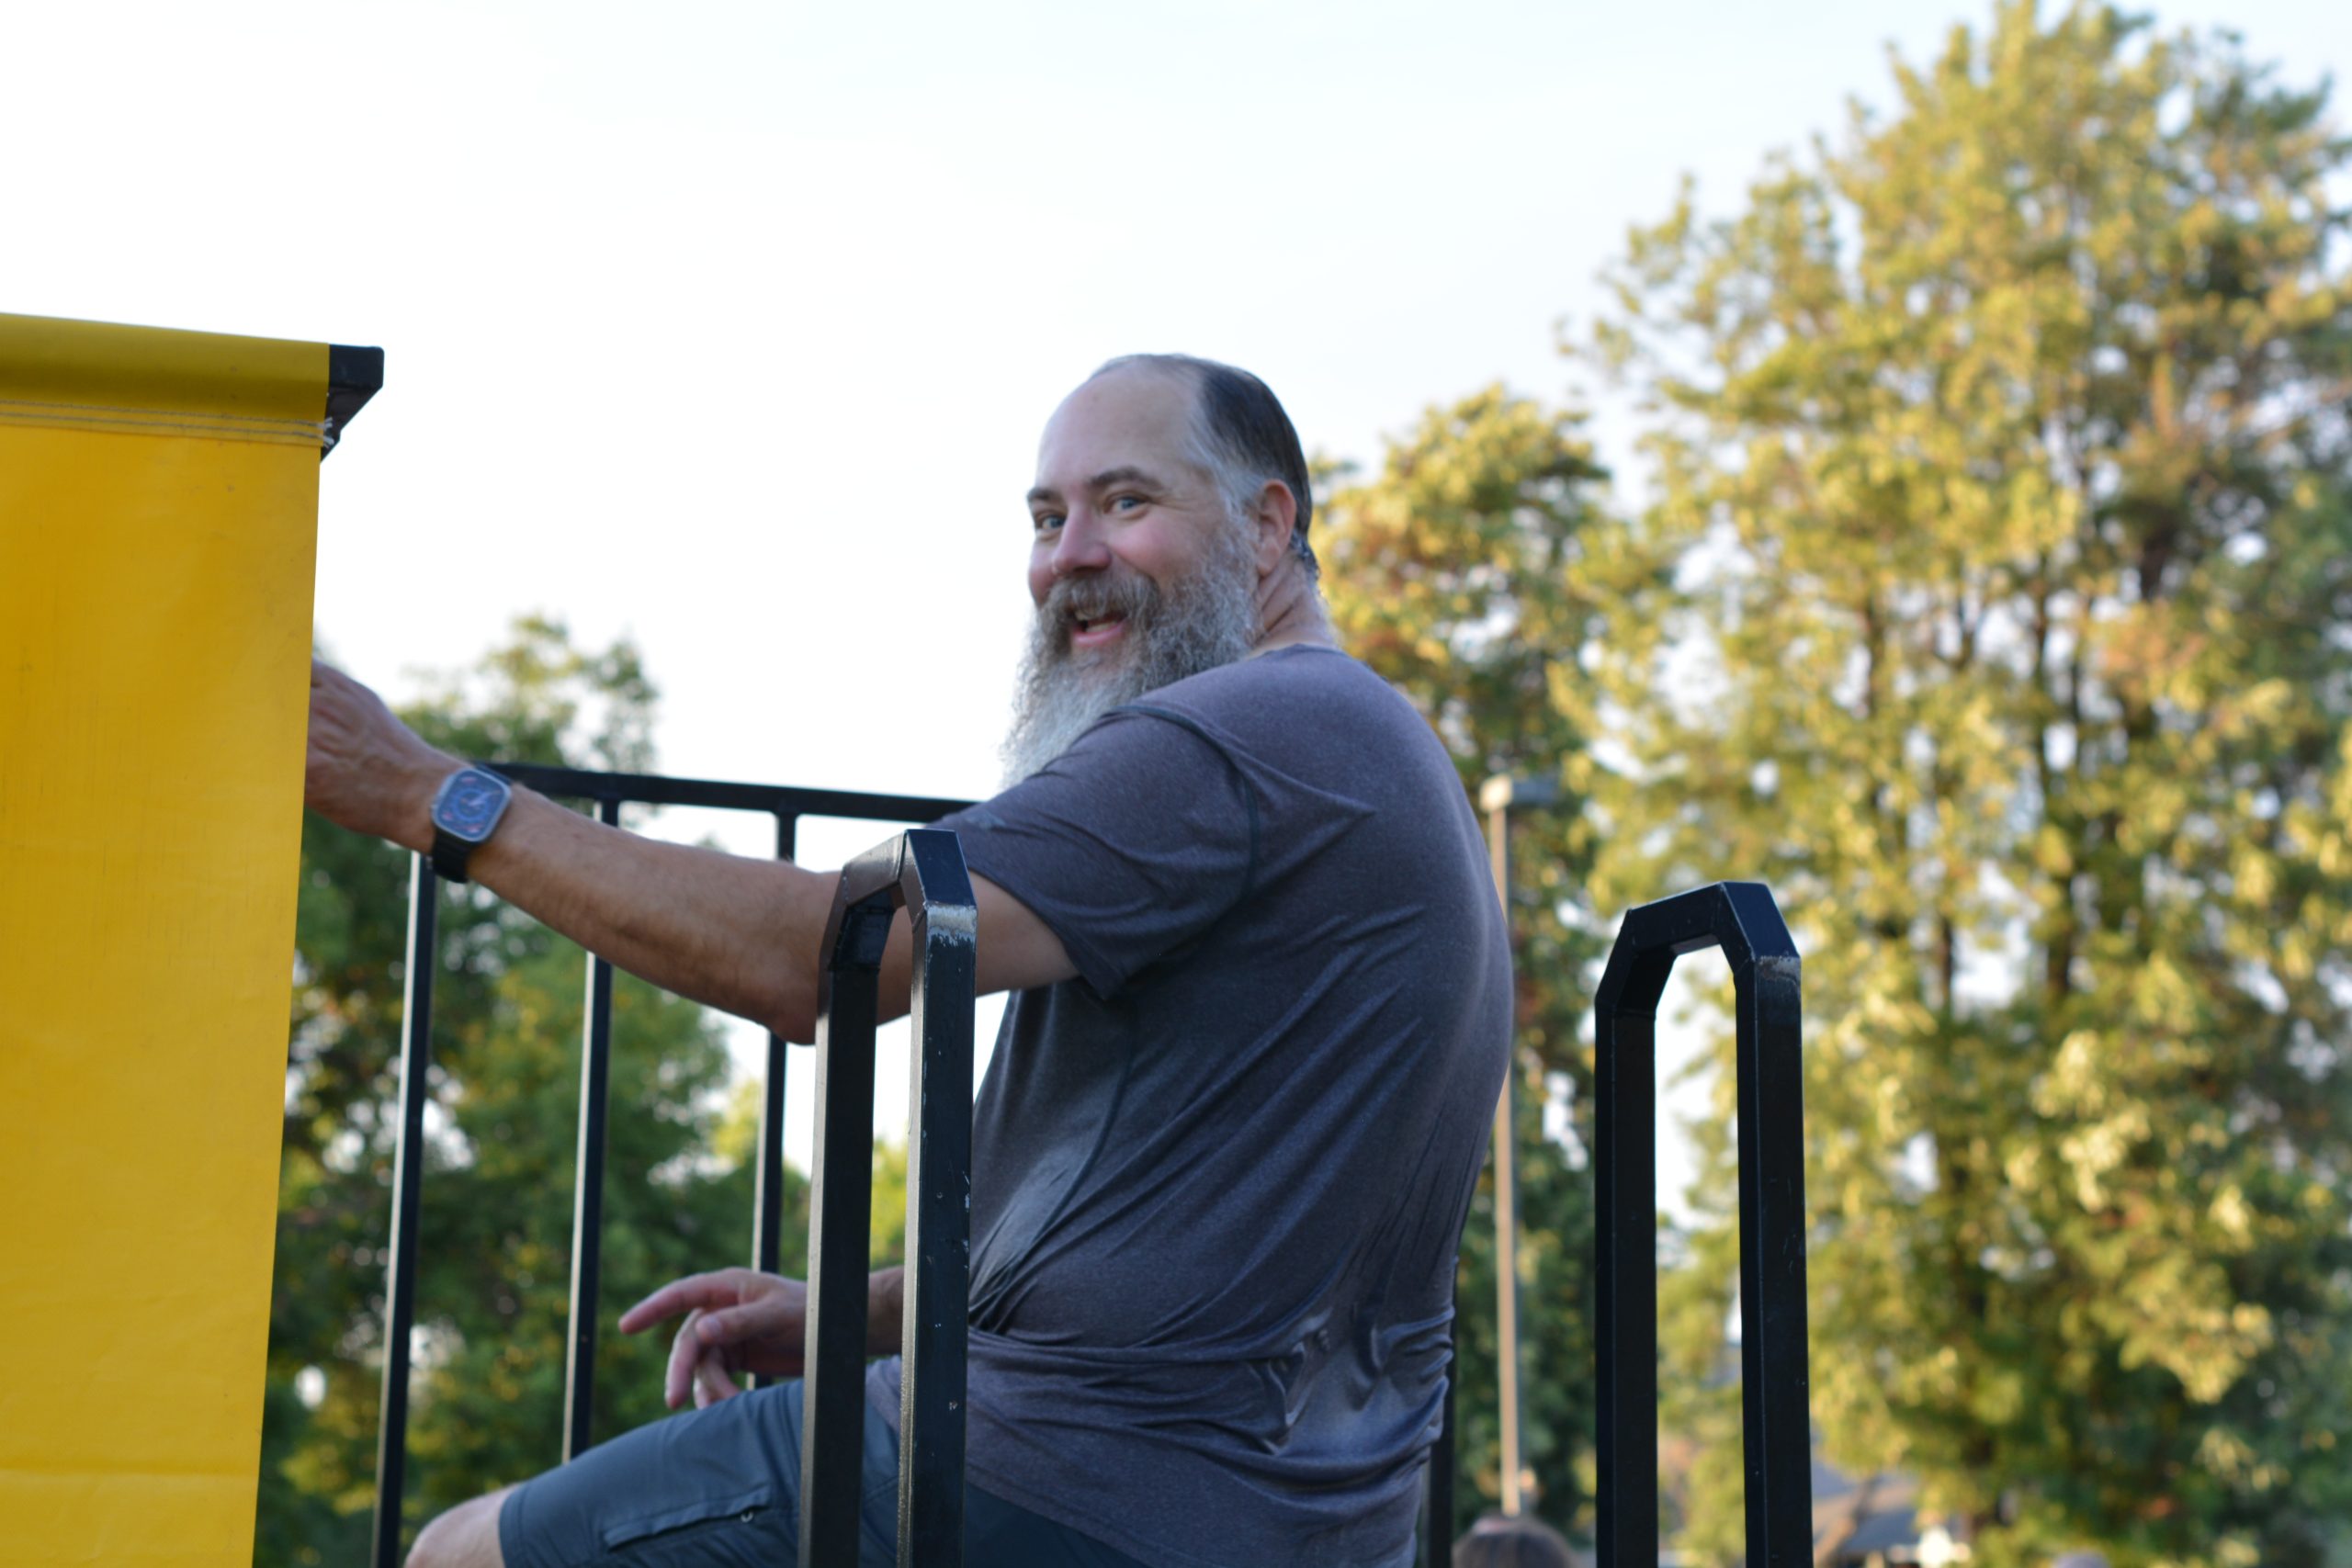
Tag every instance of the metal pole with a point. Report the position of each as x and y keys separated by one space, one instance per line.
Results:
x=1437 y=1502
x=767 y=1179
x=923 y=871
x=1775 y=1364
x=840 y=1207
x=408 y=1169
x=1625 y=1243
x=1496 y=800
x=1741 y=918
x=938 y=1282
x=588 y=1197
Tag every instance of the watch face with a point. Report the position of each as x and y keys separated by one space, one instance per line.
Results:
x=469 y=805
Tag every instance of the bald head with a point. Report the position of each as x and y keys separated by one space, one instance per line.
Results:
x=1241 y=435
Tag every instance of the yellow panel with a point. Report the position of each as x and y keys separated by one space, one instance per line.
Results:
x=90 y=374
x=154 y=630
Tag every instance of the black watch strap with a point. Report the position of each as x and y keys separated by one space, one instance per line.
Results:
x=449 y=854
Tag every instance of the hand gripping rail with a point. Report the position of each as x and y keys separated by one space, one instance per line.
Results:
x=1741 y=918
x=923 y=871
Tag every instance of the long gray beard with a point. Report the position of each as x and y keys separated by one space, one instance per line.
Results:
x=1207 y=620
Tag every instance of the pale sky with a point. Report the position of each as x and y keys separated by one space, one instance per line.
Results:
x=731 y=326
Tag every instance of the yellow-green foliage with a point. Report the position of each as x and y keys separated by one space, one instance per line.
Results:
x=2003 y=448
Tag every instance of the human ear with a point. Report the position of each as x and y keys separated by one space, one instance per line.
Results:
x=1277 y=514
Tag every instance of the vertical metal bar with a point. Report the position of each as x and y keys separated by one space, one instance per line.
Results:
x=588 y=1198
x=1625 y=1162
x=1741 y=918
x=939 y=1244
x=1775 y=1404
x=408 y=1169
x=1437 y=1498
x=839 y=1225
x=1505 y=1138
x=767 y=1179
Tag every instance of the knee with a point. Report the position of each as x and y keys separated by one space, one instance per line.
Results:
x=465 y=1537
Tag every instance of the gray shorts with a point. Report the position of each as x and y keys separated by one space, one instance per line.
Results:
x=720 y=1488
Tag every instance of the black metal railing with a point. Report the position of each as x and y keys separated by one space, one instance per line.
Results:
x=922 y=872
x=1436 y=1545
x=608 y=792
x=1776 y=1437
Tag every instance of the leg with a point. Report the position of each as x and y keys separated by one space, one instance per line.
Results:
x=714 y=1488
x=465 y=1537
x=709 y=1488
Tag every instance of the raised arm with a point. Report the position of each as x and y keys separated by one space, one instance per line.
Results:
x=738 y=933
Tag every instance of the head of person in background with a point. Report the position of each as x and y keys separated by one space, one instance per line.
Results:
x=1512 y=1540
x=1168 y=536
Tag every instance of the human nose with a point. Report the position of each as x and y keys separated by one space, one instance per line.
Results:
x=1079 y=544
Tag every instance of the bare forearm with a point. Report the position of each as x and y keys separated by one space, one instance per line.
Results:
x=739 y=934
x=736 y=934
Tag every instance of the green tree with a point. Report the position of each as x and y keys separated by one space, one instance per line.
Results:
x=2002 y=447
x=1470 y=572
x=487 y=1394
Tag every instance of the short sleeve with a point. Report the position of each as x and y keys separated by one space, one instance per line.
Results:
x=1129 y=846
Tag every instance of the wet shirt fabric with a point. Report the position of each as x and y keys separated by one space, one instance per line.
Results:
x=1220 y=1176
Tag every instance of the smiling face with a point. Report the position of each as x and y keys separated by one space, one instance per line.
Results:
x=1121 y=510
x=1140 y=574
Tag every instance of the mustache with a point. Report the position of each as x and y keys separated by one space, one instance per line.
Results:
x=1189 y=625
x=1129 y=596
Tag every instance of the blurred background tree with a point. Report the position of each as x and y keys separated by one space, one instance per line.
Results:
x=2002 y=447
x=1470 y=572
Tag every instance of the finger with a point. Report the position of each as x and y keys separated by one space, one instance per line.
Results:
x=756 y=1320
x=733 y=1325
x=677 y=1378
x=712 y=1383
x=682 y=1295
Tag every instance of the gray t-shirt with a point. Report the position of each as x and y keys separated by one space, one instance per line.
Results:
x=1220 y=1179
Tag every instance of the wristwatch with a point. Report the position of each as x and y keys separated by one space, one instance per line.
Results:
x=466 y=811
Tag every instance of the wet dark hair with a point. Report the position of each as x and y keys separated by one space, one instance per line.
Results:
x=1241 y=436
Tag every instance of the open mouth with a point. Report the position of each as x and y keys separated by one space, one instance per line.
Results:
x=1094 y=631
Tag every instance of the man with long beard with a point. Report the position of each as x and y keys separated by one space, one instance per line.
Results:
x=1223 y=1154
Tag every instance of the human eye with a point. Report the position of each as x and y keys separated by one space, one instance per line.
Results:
x=1045 y=522
x=1127 y=501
